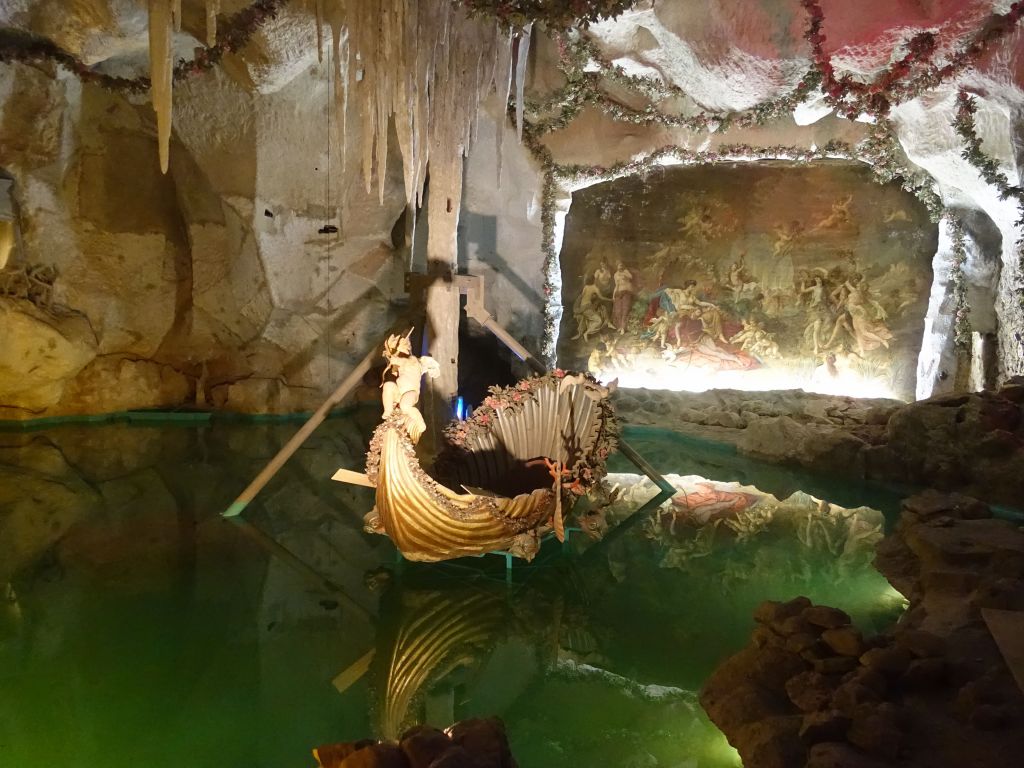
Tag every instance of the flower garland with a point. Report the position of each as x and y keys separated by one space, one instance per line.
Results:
x=504 y=401
x=961 y=315
x=578 y=55
x=585 y=69
x=852 y=97
x=232 y=35
x=881 y=150
x=553 y=14
x=988 y=168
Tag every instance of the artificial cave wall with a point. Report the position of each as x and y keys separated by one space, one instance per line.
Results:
x=214 y=285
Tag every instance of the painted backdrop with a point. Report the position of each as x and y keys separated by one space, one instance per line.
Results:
x=748 y=276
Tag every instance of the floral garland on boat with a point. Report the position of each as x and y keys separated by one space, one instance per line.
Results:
x=587 y=472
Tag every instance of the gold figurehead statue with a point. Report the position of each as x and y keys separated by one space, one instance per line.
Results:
x=403 y=390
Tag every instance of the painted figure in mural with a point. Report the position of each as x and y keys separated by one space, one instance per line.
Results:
x=756 y=340
x=786 y=238
x=819 y=318
x=403 y=390
x=839 y=216
x=686 y=305
x=591 y=311
x=623 y=297
x=740 y=281
x=603 y=278
x=896 y=214
x=698 y=224
x=860 y=316
x=707 y=504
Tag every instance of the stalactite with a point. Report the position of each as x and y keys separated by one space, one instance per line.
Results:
x=340 y=51
x=522 y=56
x=503 y=85
x=425 y=65
x=319 y=5
x=212 y=9
x=161 y=70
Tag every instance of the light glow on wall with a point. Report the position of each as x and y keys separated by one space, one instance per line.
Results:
x=655 y=373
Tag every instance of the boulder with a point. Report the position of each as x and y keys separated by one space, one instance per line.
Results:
x=846 y=641
x=890 y=662
x=423 y=745
x=809 y=691
x=485 y=739
x=826 y=617
x=828 y=725
x=837 y=754
x=876 y=732
x=39 y=355
x=772 y=611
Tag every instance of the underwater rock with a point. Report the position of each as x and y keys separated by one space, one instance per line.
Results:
x=875 y=731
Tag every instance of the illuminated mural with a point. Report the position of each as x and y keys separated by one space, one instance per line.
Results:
x=757 y=276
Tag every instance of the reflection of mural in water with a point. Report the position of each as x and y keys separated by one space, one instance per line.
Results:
x=757 y=277
x=707 y=517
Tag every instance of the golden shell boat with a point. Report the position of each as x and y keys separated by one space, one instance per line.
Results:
x=534 y=447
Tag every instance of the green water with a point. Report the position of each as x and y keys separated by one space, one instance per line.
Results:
x=137 y=627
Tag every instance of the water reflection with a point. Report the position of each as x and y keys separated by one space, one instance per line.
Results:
x=142 y=627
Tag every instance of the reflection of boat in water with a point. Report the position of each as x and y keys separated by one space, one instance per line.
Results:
x=437 y=633
x=553 y=427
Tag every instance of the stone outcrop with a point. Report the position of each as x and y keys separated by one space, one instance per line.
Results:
x=972 y=442
x=811 y=690
x=476 y=743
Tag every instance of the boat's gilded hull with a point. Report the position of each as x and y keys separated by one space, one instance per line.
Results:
x=430 y=522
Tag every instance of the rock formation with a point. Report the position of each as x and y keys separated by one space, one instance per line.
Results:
x=812 y=690
x=477 y=743
x=971 y=442
x=223 y=261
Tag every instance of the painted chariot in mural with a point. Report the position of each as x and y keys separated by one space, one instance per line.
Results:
x=519 y=463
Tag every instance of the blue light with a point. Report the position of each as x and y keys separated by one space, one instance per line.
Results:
x=460 y=408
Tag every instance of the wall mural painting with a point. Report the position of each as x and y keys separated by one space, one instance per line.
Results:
x=759 y=276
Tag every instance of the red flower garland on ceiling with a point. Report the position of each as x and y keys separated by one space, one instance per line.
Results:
x=852 y=97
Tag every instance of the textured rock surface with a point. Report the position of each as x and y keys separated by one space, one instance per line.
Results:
x=217 y=270
x=934 y=691
x=972 y=442
x=221 y=261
